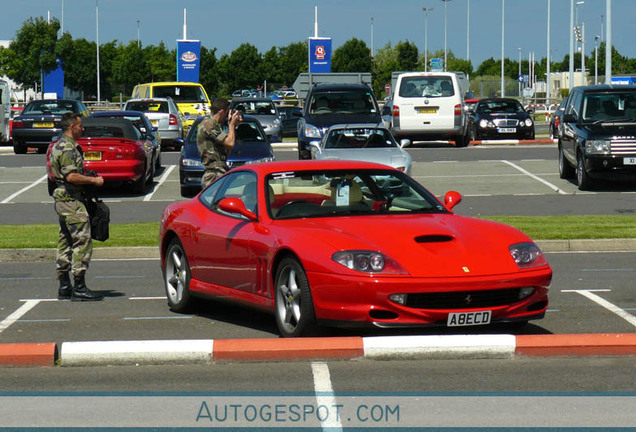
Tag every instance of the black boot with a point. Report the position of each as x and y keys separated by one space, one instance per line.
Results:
x=65 y=290
x=81 y=291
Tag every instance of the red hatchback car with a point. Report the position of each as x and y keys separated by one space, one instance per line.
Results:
x=344 y=243
x=116 y=150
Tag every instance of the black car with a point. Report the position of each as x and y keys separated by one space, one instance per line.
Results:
x=142 y=123
x=252 y=145
x=39 y=122
x=500 y=118
x=289 y=116
x=330 y=104
x=555 y=121
x=598 y=135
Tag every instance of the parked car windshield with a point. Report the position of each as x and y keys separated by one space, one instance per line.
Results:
x=148 y=106
x=181 y=93
x=427 y=86
x=49 y=107
x=255 y=108
x=341 y=103
x=600 y=107
x=509 y=107
x=359 y=138
x=305 y=194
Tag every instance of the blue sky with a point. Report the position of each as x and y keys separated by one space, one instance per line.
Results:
x=267 y=23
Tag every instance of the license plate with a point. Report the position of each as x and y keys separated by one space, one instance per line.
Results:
x=43 y=125
x=430 y=110
x=92 y=155
x=506 y=130
x=459 y=319
x=629 y=161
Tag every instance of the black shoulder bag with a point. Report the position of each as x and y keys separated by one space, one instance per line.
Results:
x=99 y=215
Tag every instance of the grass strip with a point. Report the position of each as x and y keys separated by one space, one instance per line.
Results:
x=147 y=233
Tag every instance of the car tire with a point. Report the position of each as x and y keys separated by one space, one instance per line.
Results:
x=566 y=171
x=462 y=140
x=293 y=304
x=158 y=162
x=139 y=186
x=583 y=180
x=177 y=278
x=19 y=147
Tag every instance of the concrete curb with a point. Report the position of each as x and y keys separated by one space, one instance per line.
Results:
x=504 y=346
x=152 y=252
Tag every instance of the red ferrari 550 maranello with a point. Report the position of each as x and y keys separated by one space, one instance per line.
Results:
x=343 y=243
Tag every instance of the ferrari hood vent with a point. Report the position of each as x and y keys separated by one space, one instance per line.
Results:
x=434 y=238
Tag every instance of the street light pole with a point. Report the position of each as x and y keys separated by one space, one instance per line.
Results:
x=519 y=78
x=97 y=43
x=445 y=35
x=426 y=11
x=503 y=87
x=571 y=62
x=596 y=38
x=371 y=36
x=608 y=42
x=468 y=30
x=547 y=76
x=138 y=39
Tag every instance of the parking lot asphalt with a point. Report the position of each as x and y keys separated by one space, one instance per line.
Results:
x=390 y=347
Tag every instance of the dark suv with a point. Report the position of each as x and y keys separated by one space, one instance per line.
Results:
x=330 y=104
x=597 y=137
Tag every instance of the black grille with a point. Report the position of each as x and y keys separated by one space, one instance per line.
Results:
x=463 y=299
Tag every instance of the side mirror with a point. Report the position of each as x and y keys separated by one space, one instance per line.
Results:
x=530 y=110
x=451 y=199
x=404 y=142
x=569 y=118
x=315 y=145
x=236 y=206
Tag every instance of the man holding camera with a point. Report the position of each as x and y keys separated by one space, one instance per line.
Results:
x=74 y=247
x=213 y=142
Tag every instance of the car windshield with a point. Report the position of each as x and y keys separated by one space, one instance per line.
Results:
x=359 y=138
x=246 y=131
x=507 y=107
x=342 y=103
x=427 y=86
x=609 y=107
x=181 y=93
x=306 y=194
x=254 y=108
x=49 y=107
x=148 y=106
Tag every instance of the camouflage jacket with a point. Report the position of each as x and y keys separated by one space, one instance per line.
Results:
x=66 y=157
x=210 y=137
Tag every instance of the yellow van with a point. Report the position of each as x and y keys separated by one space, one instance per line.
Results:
x=190 y=97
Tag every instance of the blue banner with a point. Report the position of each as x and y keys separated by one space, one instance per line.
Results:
x=54 y=81
x=188 y=60
x=319 y=55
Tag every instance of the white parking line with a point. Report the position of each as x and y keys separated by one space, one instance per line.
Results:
x=162 y=179
x=27 y=306
x=528 y=173
x=324 y=395
x=607 y=305
x=32 y=185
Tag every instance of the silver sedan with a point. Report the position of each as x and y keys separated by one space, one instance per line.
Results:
x=363 y=142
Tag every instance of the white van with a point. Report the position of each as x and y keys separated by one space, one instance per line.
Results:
x=429 y=106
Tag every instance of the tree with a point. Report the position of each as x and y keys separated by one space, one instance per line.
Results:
x=407 y=56
x=385 y=62
x=352 y=56
x=240 y=69
x=33 y=52
x=79 y=61
x=160 y=63
x=208 y=72
x=128 y=68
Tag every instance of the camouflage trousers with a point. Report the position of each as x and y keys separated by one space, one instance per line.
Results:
x=210 y=175
x=74 y=246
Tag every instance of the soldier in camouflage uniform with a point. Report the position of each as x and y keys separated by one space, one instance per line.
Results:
x=213 y=142
x=74 y=247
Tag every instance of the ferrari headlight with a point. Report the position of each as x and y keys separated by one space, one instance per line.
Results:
x=312 y=131
x=597 y=147
x=527 y=255
x=528 y=122
x=367 y=262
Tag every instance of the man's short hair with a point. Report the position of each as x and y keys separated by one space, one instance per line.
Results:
x=68 y=119
x=219 y=104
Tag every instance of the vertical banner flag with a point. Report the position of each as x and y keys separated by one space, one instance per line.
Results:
x=188 y=60
x=319 y=55
x=54 y=81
